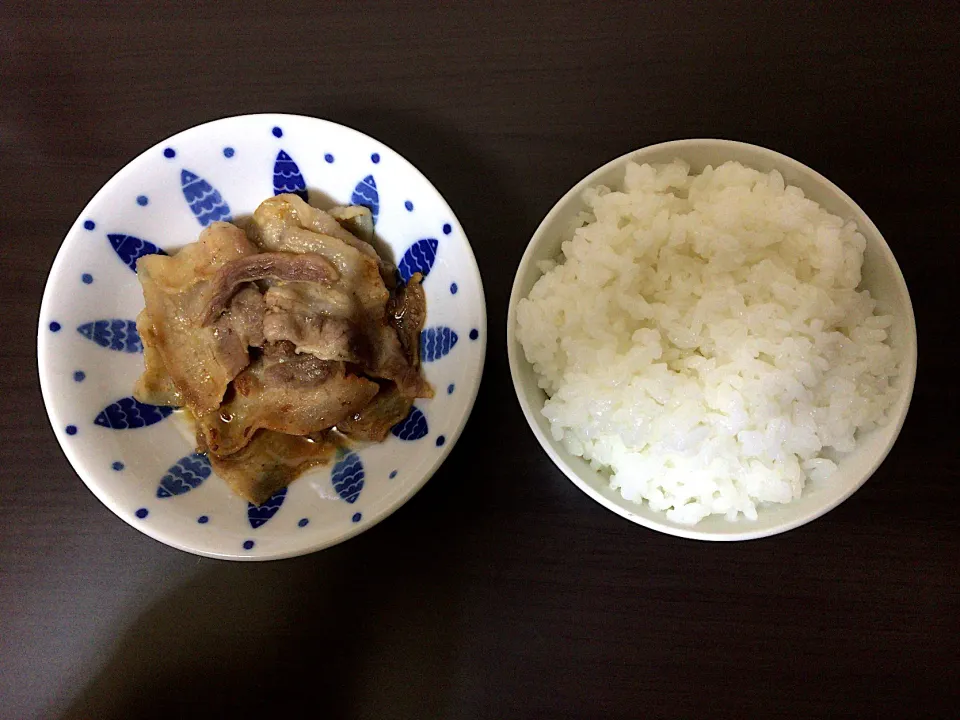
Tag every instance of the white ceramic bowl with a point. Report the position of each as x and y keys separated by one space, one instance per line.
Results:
x=881 y=276
x=139 y=459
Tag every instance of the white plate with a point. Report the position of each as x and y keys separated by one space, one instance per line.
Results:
x=139 y=460
x=881 y=276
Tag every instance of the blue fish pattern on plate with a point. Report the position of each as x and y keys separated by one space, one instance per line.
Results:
x=97 y=353
x=115 y=334
x=436 y=342
x=418 y=258
x=365 y=193
x=259 y=515
x=184 y=475
x=413 y=426
x=129 y=413
x=347 y=477
x=287 y=177
x=204 y=200
x=130 y=248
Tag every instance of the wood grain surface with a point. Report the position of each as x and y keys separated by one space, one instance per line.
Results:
x=500 y=590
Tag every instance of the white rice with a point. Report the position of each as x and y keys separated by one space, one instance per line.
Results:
x=702 y=339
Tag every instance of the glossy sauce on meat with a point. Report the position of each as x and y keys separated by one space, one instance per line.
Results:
x=287 y=393
x=283 y=345
x=201 y=361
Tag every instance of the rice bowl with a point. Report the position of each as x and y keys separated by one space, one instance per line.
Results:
x=705 y=347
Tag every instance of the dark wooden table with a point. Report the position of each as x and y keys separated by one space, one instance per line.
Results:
x=500 y=590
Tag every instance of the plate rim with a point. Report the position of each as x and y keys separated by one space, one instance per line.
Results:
x=107 y=498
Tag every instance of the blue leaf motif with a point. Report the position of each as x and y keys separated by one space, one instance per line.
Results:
x=128 y=413
x=287 y=177
x=115 y=334
x=184 y=475
x=258 y=515
x=436 y=342
x=204 y=201
x=365 y=193
x=412 y=427
x=419 y=257
x=347 y=477
x=130 y=248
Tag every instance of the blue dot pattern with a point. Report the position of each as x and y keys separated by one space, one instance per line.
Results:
x=204 y=201
x=287 y=177
x=207 y=205
x=130 y=248
x=259 y=515
x=115 y=334
x=418 y=258
x=436 y=342
x=412 y=427
x=347 y=477
x=128 y=413
x=186 y=474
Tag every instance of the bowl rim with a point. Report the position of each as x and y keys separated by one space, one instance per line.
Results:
x=89 y=477
x=515 y=355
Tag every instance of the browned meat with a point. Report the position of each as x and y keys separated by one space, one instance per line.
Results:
x=244 y=317
x=285 y=392
x=407 y=311
x=356 y=219
x=374 y=421
x=309 y=317
x=398 y=344
x=363 y=332
x=317 y=319
x=275 y=216
x=328 y=314
x=306 y=267
x=311 y=299
x=269 y=462
x=324 y=337
x=201 y=361
x=285 y=223
x=154 y=386
x=391 y=363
